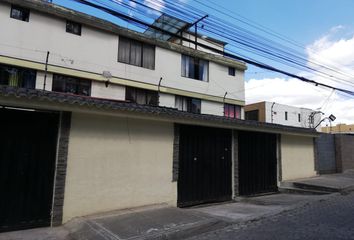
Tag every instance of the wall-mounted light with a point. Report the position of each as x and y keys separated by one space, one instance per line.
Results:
x=107 y=75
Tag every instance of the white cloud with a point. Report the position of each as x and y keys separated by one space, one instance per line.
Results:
x=339 y=54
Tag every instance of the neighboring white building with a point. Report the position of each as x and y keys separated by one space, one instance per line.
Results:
x=272 y=112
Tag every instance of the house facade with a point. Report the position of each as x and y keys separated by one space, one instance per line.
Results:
x=95 y=117
x=276 y=113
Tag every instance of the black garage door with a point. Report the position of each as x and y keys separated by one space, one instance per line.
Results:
x=204 y=165
x=257 y=162
x=27 y=160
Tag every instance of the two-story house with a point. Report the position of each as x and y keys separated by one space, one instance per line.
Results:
x=96 y=117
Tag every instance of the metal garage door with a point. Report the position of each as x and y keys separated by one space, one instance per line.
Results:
x=204 y=165
x=27 y=161
x=257 y=162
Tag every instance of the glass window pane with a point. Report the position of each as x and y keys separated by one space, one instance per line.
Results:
x=191 y=67
x=135 y=53
x=124 y=50
x=71 y=86
x=130 y=94
x=4 y=75
x=141 y=97
x=237 y=112
x=226 y=110
x=73 y=27
x=232 y=71
x=148 y=56
x=231 y=111
x=203 y=70
x=195 y=105
x=152 y=98
x=58 y=83
x=13 y=77
x=84 y=87
x=28 y=79
x=20 y=13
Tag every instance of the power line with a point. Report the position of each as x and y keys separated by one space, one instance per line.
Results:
x=230 y=55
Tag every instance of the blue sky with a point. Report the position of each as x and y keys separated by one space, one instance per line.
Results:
x=325 y=29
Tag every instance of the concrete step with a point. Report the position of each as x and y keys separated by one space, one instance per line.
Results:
x=313 y=187
x=302 y=191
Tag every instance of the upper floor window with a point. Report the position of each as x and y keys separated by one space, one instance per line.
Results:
x=195 y=68
x=232 y=71
x=286 y=116
x=72 y=85
x=136 y=53
x=73 y=27
x=252 y=115
x=141 y=96
x=299 y=117
x=232 y=111
x=17 y=77
x=20 y=13
x=187 y=104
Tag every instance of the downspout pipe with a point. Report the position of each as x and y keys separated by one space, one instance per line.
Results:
x=46 y=70
x=271 y=112
x=158 y=91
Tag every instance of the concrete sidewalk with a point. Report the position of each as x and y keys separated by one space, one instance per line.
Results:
x=165 y=222
x=341 y=182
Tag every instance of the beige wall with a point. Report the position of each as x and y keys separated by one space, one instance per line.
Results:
x=117 y=163
x=297 y=157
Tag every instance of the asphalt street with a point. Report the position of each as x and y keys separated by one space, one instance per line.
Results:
x=327 y=219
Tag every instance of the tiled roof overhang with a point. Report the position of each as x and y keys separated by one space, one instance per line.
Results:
x=47 y=100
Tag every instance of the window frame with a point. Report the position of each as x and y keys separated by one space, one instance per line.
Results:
x=196 y=62
x=68 y=30
x=189 y=102
x=20 y=82
x=21 y=9
x=78 y=83
x=145 y=47
x=146 y=94
x=232 y=71
x=234 y=107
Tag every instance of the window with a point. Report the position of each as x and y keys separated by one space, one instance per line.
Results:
x=187 y=104
x=73 y=27
x=195 y=68
x=232 y=111
x=286 y=116
x=141 y=96
x=20 y=13
x=299 y=117
x=136 y=53
x=252 y=115
x=232 y=71
x=71 y=85
x=17 y=77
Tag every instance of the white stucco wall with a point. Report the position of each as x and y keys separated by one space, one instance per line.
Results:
x=213 y=108
x=113 y=91
x=96 y=51
x=117 y=163
x=167 y=100
x=297 y=157
x=40 y=81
